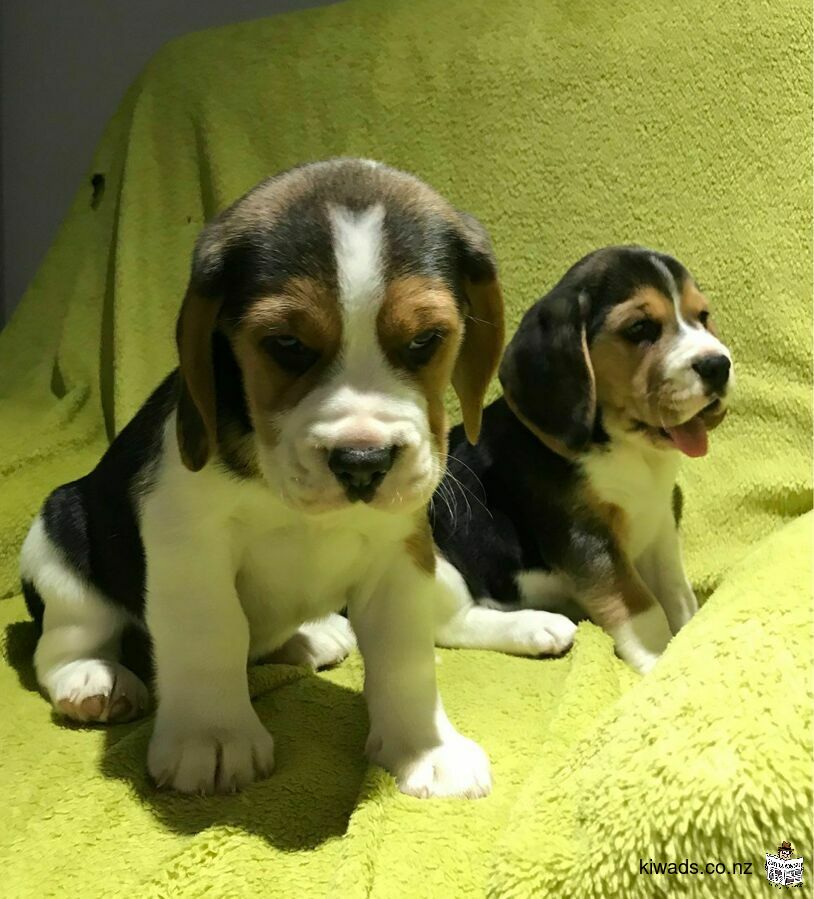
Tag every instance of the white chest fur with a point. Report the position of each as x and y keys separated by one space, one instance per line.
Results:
x=639 y=480
x=287 y=566
x=304 y=570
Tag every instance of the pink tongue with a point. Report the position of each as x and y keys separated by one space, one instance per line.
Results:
x=691 y=437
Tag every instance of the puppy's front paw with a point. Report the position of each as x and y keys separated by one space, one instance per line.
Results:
x=680 y=609
x=642 y=639
x=204 y=757
x=458 y=767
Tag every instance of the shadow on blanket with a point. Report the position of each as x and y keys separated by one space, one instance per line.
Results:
x=319 y=729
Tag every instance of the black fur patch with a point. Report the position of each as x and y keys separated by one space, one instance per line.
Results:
x=491 y=519
x=34 y=603
x=93 y=520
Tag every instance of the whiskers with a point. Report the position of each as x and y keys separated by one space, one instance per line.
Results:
x=451 y=489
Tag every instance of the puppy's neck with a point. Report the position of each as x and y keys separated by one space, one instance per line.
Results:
x=624 y=435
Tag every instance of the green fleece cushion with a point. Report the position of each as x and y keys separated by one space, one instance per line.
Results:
x=563 y=126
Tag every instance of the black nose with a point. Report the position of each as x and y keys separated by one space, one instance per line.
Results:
x=360 y=470
x=714 y=371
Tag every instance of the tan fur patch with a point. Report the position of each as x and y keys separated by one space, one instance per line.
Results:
x=617 y=600
x=305 y=309
x=412 y=305
x=421 y=547
x=589 y=365
x=620 y=593
x=480 y=352
x=197 y=419
x=615 y=363
x=693 y=303
x=629 y=376
x=645 y=301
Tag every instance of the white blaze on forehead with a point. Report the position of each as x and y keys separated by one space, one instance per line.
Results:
x=360 y=253
x=365 y=390
x=358 y=250
x=672 y=287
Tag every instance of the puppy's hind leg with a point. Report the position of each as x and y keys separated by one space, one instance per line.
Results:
x=316 y=644
x=463 y=624
x=76 y=660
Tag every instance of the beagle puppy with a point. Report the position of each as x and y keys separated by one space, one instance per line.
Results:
x=571 y=492
x=279 y=475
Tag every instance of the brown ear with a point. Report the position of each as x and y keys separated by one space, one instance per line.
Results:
x=482 y=344
x=196 y=415
x=547 y=376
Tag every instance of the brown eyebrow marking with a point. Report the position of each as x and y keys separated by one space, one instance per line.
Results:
x=298 y=295
x=693 y=302
x=305 y=307
x=412 y=304
x=647 y=300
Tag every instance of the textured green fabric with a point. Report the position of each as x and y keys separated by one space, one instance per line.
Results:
x=563 y=126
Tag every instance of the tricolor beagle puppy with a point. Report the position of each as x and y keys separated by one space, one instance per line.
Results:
x=281 y=474
x=570 y=495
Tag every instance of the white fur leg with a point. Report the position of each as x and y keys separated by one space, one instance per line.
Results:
x=76 y=656
x=463 y=624
x=642 y=639
x=410 y=734
x=207 y=736
x=524 y=633
x=662 y=569
x=316 y=644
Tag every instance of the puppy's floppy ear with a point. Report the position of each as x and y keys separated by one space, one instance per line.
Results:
x=196 y=414
x=546 y=373
x=482 y=344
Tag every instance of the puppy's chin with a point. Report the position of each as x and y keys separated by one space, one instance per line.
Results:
x=331 y=500
x=403 y=492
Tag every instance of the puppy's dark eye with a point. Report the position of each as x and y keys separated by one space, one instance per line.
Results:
x=703 y=318
x=644 y=331
x=289 y=353
x=422 y=348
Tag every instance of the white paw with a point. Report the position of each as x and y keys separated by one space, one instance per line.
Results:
x=207 y=758
x=640 y=660
x=96 y=690
x=680 y=610
x=536 y=633
x=642 y=639
x=458 y=767
x=318 y=644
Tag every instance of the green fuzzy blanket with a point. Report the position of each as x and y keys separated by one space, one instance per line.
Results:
x=563 y=125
